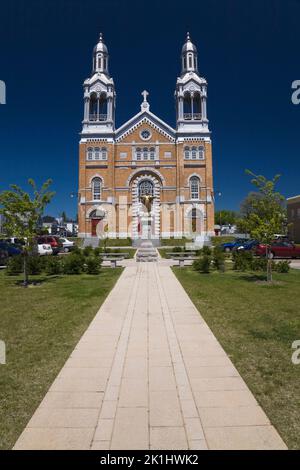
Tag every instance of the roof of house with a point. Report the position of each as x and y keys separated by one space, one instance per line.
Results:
x=293 y=199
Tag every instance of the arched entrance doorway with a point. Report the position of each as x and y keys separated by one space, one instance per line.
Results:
x=146 y=189
x=195 y=221
x=97 y=222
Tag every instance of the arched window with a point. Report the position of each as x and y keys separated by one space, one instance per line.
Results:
x=96 y=188
x=152 y=153
x=186 y=153
x=89 y=153
x=201 y=152
x=194 y=187
x=102 y=107
x=194 y=153
x=145 y=153
x=96 y=153
x=146 y=188
x=197 y=107
x=190 y=60
x=187 y=106
x=93 y=107
x=103 y=153
x=138 y=153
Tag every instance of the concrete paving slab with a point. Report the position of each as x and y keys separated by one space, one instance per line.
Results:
x=148 y=373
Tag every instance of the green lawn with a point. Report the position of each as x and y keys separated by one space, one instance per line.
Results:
x=175 y=241
x=40 y=326
x=256 y=324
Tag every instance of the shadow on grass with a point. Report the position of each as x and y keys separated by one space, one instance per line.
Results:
x=251 y=277
x=37 y=281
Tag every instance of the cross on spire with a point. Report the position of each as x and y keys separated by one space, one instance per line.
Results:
x=145 y=94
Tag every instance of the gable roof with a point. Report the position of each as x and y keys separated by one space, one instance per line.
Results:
x=145 y=116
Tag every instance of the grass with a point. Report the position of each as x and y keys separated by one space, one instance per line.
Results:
x=116 y=242
x=175 y=241
x=40 y=326
x=216 y=241
x=129 y=251
x=256 y=324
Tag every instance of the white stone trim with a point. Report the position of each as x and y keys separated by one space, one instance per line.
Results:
x=145 y=169
x=96 y=175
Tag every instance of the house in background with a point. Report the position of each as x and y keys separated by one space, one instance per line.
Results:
x=293 y=214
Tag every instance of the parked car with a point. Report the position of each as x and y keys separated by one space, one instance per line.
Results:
x=280 y=249
x=248 y=246
x=68 y=245
x=16 y=241
x=10 y=249
x=51 y=240
x=44 y=249
x=233 y=245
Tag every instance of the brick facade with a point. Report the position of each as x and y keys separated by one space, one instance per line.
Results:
x=293 y=213
x=114 y=163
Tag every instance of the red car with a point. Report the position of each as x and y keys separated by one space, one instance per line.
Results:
x=280 y=249
x=54 y=242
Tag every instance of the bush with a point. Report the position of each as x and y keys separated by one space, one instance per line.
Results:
x=93 y=265
x=259 y=264
x=206 y=250
x=219 y=259
x=76 y=249
x=282 y=266
x=177 y=249
x=97 y=251
x=202 y=265
x=242 y=260
x=87 y=250
x=73 y=264
x=15 y=265
x=53 y=265
x=34 y=265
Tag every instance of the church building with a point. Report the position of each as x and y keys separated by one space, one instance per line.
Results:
x=145 y=179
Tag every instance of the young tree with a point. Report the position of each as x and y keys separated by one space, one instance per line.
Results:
x=267 y=215
x=22 y=211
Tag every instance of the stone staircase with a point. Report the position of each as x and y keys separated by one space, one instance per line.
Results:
x=137 y=242
x=146 y=252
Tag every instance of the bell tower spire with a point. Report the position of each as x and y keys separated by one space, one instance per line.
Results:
x=100 y=57
x=99 y=95
x=191 y=94
x=189 y=59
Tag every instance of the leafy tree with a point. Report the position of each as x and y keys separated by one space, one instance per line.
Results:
x=267 y=215
x=22 y=212
x=49 y=219
x=248 y=204
x=225 y=217
x=64 y=217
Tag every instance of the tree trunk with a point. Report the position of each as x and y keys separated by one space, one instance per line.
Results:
x=26 y=280
x=269 y=265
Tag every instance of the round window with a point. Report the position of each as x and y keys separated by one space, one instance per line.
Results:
x=145 y=134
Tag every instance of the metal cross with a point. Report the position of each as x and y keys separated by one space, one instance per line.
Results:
x=145 y=94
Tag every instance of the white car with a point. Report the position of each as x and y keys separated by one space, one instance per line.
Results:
x=68 y=245
x=44 y=249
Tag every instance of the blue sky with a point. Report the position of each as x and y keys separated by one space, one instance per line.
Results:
x=247 y=50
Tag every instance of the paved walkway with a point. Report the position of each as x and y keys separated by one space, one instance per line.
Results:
x=149 y=374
